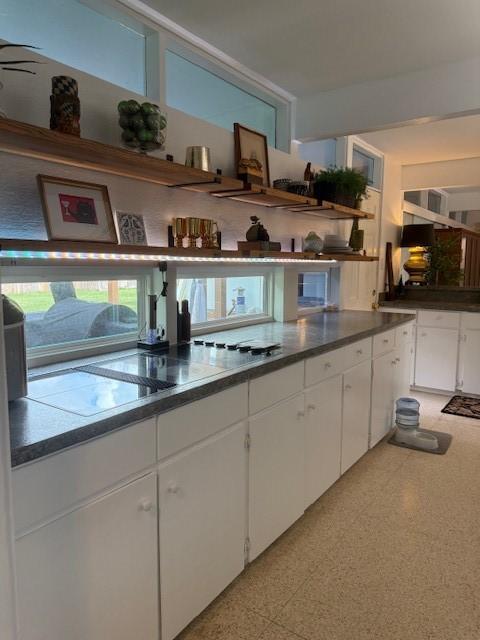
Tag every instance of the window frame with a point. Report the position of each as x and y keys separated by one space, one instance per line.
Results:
x=52 y=354
x=186 y=272
x=331 y=290
x=357 y=144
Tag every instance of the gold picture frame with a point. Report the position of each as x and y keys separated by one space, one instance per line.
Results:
x=251 y=149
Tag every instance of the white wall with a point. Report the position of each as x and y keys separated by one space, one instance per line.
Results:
x=422 y=96
x=392 y=219
x=464 y=172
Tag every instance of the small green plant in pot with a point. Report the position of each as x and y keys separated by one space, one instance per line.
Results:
x=341 y=185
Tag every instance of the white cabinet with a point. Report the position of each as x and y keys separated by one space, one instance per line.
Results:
x=469 y=361
x=436 y=358
x=385 y=370
x=276 y=471
x=202 y=495
x=356 y=413
x=323 y=437
x=92 y=574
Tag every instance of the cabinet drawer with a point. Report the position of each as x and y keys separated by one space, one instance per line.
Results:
x=383 y=342
x=324 y=366
x=49 y=486
x=196 y=421
x=358 y=352
x=404 y=334
x=276 y=386
x=470 y=320
x=440 y=319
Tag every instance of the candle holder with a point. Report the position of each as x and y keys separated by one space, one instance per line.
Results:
x=179 y=230
x=193 y=231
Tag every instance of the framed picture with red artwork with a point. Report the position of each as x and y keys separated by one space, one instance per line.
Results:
x=74 y=210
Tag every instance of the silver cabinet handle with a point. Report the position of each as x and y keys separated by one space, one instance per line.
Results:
x=397 y=359
x=405 y=333
x=359 y=351
x=386 y=341
x=348 y=387
x=328 y=365
x=311 y=407
x=300 y=414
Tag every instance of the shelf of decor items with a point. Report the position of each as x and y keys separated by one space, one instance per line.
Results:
x=20 y=138
x=100 y=249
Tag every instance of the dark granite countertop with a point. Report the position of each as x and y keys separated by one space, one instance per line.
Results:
x=470 y=307
x=38 y=429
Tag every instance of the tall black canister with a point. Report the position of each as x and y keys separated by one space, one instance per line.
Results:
x=15 y=353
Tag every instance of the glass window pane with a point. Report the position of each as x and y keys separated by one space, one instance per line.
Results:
x=202 y=94
x=312 y=290
x=434 y=202
x=63 y=312
x=216 y=299
x=76 y=35
x=365 y=164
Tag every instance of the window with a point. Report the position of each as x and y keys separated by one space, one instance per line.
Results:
x=415 y=197
x=369 y=165
x=63 y=315
x=312 y=290
x=224 y=300
x=200 y=93
x=434 y=202
x=74 y=34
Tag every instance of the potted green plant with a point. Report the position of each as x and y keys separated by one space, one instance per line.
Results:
x=444 y=259
x=341 y=185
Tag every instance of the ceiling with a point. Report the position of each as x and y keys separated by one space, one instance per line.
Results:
x=308 y=46
x=443 y=140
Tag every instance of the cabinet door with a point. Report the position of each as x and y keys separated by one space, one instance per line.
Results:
x=202 y=526
x=92 y=574
x=436 y=358
x=385 y=368
x=276 y=472
x=402 y=373
x=470 y=357
x=356 y=413
x=323 y=437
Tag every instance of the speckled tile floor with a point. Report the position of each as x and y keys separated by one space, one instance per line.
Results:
x=390 y=552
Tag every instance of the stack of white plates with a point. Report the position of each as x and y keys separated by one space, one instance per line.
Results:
x=336 y=244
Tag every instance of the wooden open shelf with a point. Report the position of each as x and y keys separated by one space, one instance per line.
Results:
x=66 y=246
x=333 y=211
x=266 y=197
x=31 y=141
x=28 y=140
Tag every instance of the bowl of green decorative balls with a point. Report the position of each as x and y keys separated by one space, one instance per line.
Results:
x=143 y=125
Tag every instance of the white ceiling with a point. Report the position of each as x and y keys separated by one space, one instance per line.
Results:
x=443 y=140
x=307 y=46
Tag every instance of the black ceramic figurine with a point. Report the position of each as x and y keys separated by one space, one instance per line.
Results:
x=257 y=231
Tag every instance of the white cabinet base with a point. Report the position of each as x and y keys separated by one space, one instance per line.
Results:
x=276 y=472
x=202 y=526
x=356 y=413
x=323 y=437
x=92 y=574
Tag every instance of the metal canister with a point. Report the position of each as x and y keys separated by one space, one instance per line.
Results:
x=198 y=158
x=15 y=351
